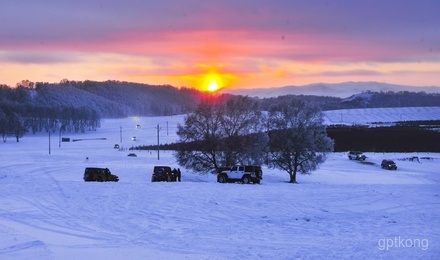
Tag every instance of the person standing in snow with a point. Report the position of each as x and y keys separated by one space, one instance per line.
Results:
x=174 y=174
x=179 y=174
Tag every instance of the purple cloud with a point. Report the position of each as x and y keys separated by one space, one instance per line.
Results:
x=38 y=57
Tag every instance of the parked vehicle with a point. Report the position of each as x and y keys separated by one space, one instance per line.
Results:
x=221 y=169
x=99 y=174
x=245 y=174
x=356 y=155
x=389 y=165
x=162 y=173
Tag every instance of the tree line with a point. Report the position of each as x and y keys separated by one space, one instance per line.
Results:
x=415 y=136
x=366 y=99
x=20 y=114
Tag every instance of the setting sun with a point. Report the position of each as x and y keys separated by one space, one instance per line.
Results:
x=213 y=81
x=212 y=85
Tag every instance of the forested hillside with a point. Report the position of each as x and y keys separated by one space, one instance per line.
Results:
x=117 y=99
x=77 y=106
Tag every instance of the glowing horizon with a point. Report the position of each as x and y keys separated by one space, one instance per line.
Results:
x=246 y=44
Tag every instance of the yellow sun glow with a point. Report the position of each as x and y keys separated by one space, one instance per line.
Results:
x=212 y=85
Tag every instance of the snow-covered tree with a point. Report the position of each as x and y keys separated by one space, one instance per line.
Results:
x=4 y=126
x=298 y=141
x=222 y=133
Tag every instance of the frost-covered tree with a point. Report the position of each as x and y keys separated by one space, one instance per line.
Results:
x=200 y=139
x=4 y=126
x=221 y=133
x=241 y=123
x=298 y=141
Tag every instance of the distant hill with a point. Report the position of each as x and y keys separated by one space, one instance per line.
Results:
x=367 y=99
x=109 y=98
x=341 y=90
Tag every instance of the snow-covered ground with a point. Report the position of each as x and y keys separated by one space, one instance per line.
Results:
x=383 y=115
x=346 y=209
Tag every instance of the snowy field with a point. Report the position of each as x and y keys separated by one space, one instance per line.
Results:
x=344 y=210
x=383 y=115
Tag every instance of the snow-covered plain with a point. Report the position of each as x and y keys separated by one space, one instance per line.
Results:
x=381 y=115
x=346 y=209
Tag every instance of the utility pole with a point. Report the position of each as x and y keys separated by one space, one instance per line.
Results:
x=120 y=133
x=158 y=142
x=59 y=139
x=49 y=141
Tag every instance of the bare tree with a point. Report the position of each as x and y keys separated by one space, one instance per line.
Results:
x=298 y=141
x=200 y=138
x=3 y=126
x=222 y=133
x=17 y=126
x=241 y=123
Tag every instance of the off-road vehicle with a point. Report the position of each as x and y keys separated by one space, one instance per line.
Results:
x=99 y=174
x=162 y=173
x=244 y=174
x=389 y=165
x=356 y=155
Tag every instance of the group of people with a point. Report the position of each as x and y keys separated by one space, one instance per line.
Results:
x=176 y=174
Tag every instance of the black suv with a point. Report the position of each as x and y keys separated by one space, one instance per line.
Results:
x=99 y=174
x=162 y=173
x=389 y=165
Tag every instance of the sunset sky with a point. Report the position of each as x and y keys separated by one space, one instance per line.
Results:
x=236 y=43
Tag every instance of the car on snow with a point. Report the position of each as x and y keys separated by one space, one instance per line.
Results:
x=99 y=174
x=243 y=173
x=162 y=173
x=356 y=155
x=388 y=164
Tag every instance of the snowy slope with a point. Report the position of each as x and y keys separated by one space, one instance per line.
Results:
x=384 y=115
x=345 y=209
